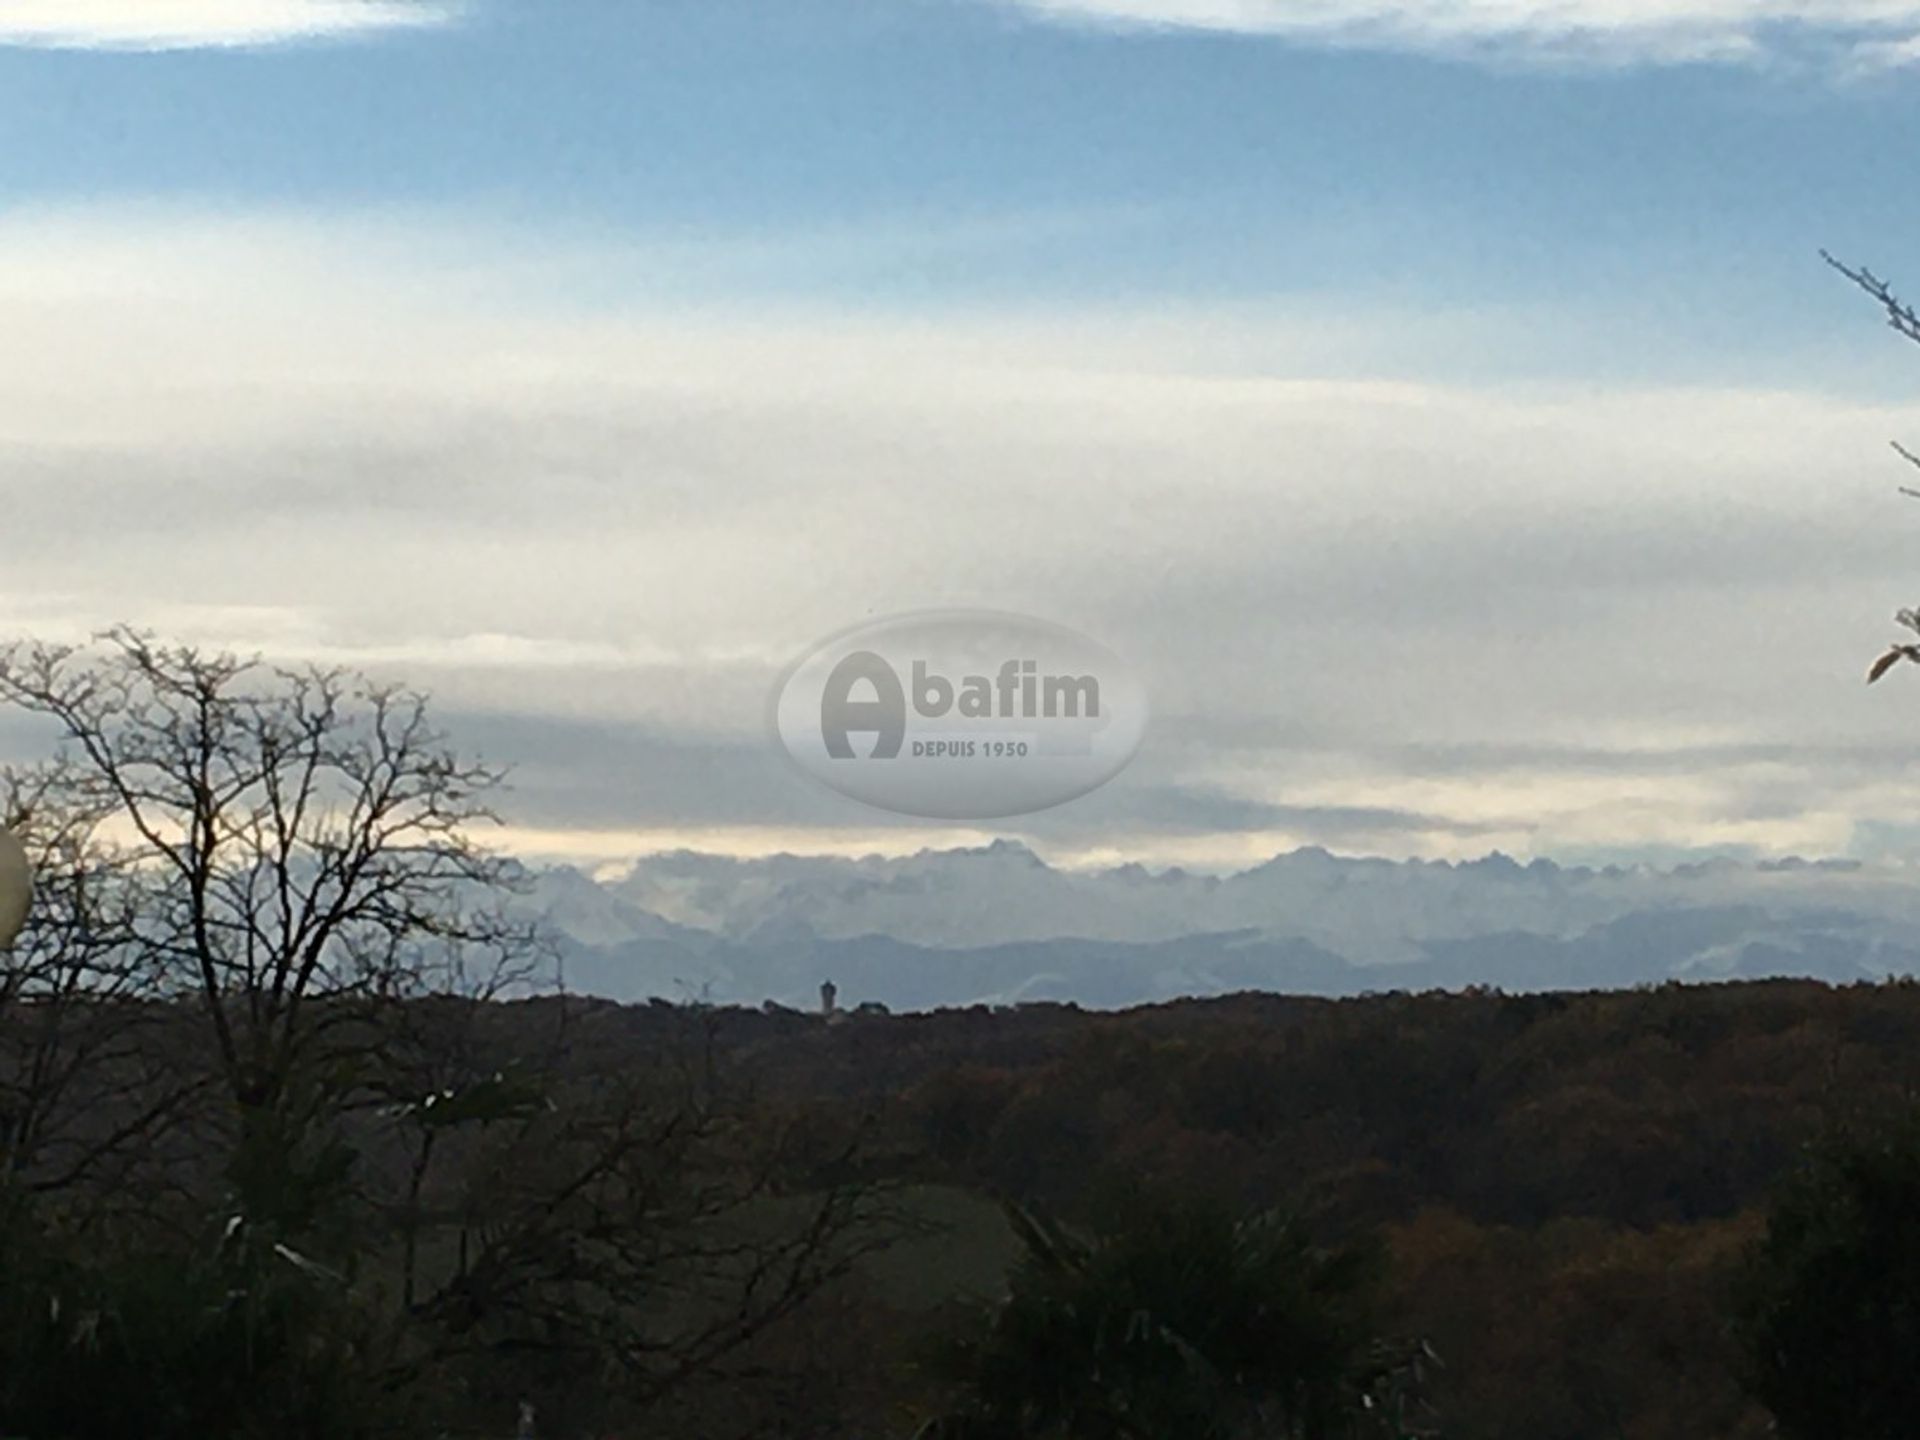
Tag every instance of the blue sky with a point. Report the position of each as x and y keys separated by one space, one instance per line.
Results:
x=1080 y=163
x=1392 y=375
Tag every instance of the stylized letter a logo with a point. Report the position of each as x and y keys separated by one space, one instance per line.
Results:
x=841 y=714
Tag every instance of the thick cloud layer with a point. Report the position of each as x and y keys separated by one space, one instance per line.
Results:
x=1379 y=605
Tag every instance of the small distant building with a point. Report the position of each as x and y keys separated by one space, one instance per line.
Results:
x=871 y=1007
x=829 y=999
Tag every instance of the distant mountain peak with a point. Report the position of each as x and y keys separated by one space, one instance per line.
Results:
x=997 y=919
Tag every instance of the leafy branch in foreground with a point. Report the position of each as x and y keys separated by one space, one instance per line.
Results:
x=1904 y=321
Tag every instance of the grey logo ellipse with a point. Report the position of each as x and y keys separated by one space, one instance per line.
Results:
x=961 y=714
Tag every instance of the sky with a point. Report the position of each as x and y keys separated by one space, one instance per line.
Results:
x=1441 y=403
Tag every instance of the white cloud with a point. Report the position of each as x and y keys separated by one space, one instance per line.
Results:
x=1572 y=31
x=1513 y=612
x=194 y=24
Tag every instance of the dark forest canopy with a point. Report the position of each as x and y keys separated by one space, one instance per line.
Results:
x=1564 y=1186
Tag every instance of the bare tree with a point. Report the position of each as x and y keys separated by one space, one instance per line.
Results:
x=302 y=839
x=271 y=948
x=638 y=1230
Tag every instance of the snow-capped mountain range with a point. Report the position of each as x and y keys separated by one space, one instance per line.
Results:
x=1000 y=925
